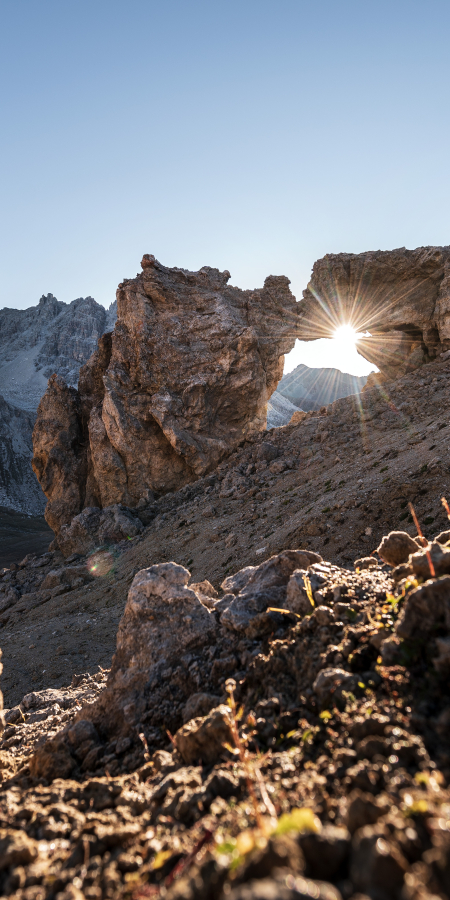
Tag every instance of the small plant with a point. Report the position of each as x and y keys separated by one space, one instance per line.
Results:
x=384 y=469
x=419 y=532
x=249 y=762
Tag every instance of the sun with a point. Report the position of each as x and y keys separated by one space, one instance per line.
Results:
x=346 y=336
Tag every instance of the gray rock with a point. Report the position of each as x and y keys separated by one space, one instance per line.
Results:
x=279 y=410
x=94 y=528
x=163 y=619
x=52 y=337
x=199 y=704
x=19 y=488
x=396 y=547
x=265 y=587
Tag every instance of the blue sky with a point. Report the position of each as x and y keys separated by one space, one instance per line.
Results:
x=251 y=135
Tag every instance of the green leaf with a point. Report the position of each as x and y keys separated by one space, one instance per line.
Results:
x=298 y=820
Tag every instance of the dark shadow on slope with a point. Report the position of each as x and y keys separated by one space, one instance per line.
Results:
x=21 y=534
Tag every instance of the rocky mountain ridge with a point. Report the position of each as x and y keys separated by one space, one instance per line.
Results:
x=51 y=337
x=275 y=720
x=333 y=780
x=310 y=388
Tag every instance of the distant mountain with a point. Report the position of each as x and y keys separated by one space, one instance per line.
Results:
x=279 y=410
x=34 y=343
x=310 y=388
x=50 y=337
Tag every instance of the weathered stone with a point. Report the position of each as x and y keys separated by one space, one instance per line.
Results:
x=402 y=297
x=94 y=528
x=298 y=600
x=203 y=739
x=377 y=863
x=266 y=586
x=199 y=704
x=327 y=683
x=188 y=375
x=325 y=851
x=163 y=619
x=59 y=460
x=426 y=608
x=440 y=558
x=396 y=547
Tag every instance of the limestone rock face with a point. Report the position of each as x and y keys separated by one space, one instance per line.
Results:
x=186 y=376
x=402 y=297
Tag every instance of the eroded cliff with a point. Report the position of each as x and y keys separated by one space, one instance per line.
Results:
x=186 y=376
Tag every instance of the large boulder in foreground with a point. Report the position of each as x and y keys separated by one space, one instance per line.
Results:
x=401 y=297
x=186 y=376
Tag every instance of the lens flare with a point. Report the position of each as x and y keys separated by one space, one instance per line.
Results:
x=101 y=563
x=346 y=336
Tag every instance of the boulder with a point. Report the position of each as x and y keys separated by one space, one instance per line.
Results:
x=427 y=609
x=94 y=528
x=261 y=588
x=162 y=621
x=396 y=547
x=185 y=377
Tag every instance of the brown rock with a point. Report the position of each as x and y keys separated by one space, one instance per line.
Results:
x=185 y=377
x=199 y=704
x=377 y=863
x=204 y=739
x=402 y=297
x=297 y=417
x=426 y=609
x=440 y=558
x=396 y=547
x=96 y=527
x=59 y=460
x=263 y=587
x=163 y=619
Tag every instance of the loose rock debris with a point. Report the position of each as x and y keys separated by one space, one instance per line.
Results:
x=128 y=784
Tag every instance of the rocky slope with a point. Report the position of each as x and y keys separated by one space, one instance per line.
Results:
x=332 y=782
x=186 y=376
x=275 y=720
x=402 y=297
x=309 y=388
x=334 y=483
x=21 y=534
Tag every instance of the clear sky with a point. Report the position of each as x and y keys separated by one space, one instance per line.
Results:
x=251 y=135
